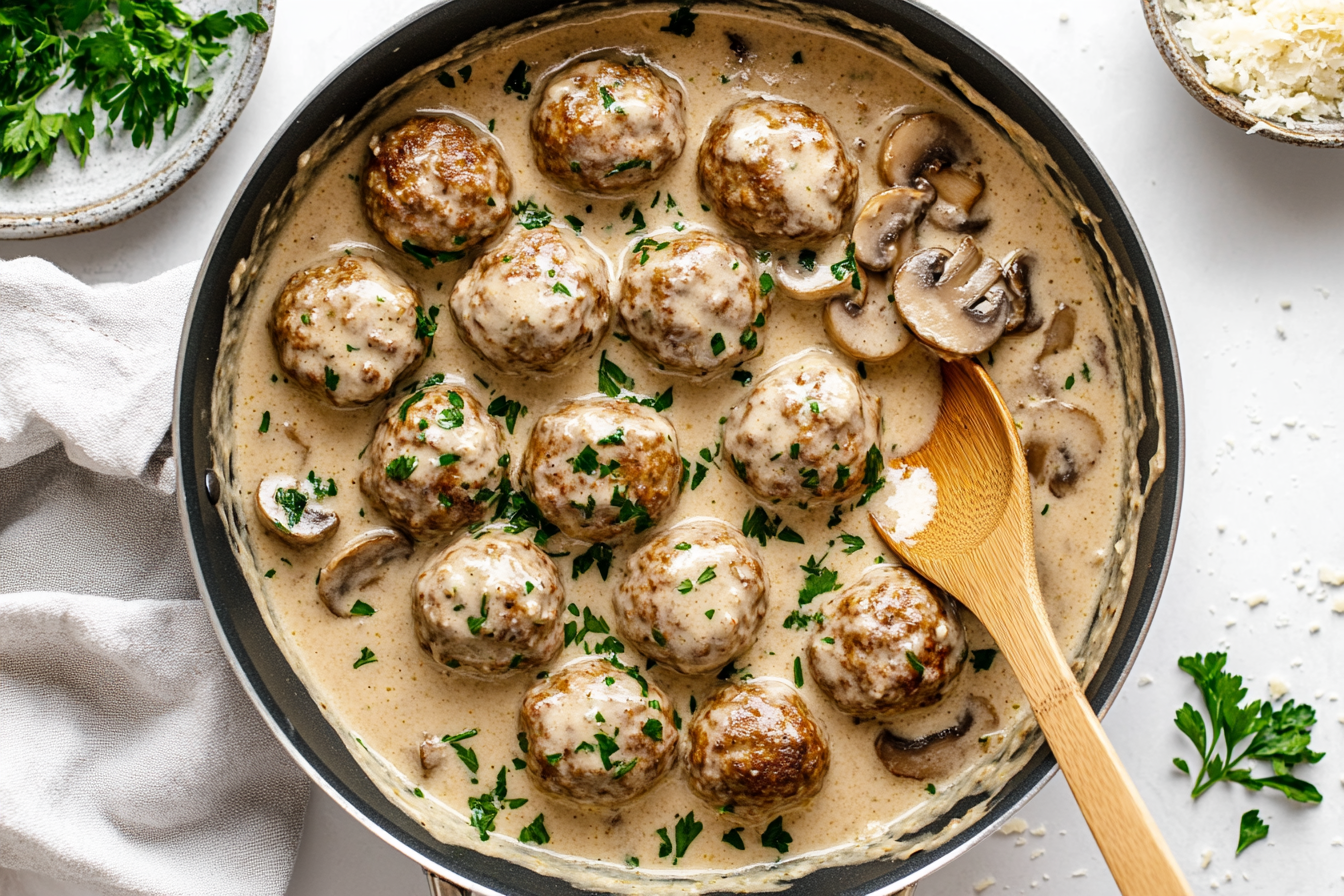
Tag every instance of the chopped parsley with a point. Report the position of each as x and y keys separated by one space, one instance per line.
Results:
x=517 y=82
x=331 y=378
x=292 y=502
x=503 y=406
x=767 y=284
x=853 y=543
x=820 y=580
x=800 y=620
x=981 y=660
x=575 y=223
x=682 y=24
x=365 y=657
x=914 y=663
x=535 y=832
x=653 y=729
x=847 y=267
x=598 y=554
x=427 y=257
x=362 y=609
x=530 y=215
x=265 y=422
x=775 y=837
x=401 y=467
x=798 y=671
x=808 y=259
x=629 y=165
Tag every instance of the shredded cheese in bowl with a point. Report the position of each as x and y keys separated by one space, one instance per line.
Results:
x=1284 y=58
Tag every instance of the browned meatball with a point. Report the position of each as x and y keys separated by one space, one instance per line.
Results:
x=603 y=469
x=435 y=461
x=693 y=597
x=805 y=432
x=755 y=749
x=693 y=303
x=890 y=642
x=598 y=732
x=437 y=184
x=607 y=127
x=777 y=169
x=489 y=604
x=538 y=301
x=346 y=331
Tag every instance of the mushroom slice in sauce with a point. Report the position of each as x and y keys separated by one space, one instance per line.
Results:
x=934 y=147
x=1022 y=316
x=871 y=331
x=291 y=513
x=957 y=194
x=1059 y=335
x=947 y=301
x=1062 y=442
x=807 y=275
x=880 y=240
x=920 y=145
x=941 y=753
x=432 y=752
x=357 y=565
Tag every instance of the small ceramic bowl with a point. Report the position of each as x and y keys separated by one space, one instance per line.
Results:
x=1190 y=72
x=119 y=180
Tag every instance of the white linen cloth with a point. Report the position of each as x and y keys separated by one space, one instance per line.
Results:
x=131 y=762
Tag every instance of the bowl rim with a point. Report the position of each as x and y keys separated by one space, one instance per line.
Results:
x=1192 y=77
x=400 y=49
x=171 y=172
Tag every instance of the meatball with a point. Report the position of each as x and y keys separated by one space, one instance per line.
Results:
x=346 y=331
x=890 y=642
x=755 y=750
x=607 y=127
x=538 y=301
x=776 y=169
x=598 y=732
x=807 y=431
x=694 y=597
x=435 y=461
x=437 y=184
x=489 y=604
x=692 y=303
x=603 y=469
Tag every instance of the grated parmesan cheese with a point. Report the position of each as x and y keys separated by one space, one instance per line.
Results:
x=1284 y=58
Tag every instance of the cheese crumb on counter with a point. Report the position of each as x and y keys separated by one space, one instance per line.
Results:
x=1277 y=687
x=1013 y=826
x=983 y=885
x=1330 y=576
x=1284 y=58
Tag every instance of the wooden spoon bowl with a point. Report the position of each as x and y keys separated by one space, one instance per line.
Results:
x=979 y=547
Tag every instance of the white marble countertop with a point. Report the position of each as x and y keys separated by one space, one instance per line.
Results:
x=1246 y=237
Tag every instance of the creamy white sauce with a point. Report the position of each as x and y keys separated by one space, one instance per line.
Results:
x=385 y=709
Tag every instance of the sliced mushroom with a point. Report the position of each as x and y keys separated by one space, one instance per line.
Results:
x=808 y=276
x=871 y=331
x=946 y=299
x=1059 y=335
x=943 y=752
x=432 y=752
x=1062 y=442
x=359 y=564
x=957 y=193
x=920 y=145
x=1022 y=317
x=290 y=512
x=885 y=227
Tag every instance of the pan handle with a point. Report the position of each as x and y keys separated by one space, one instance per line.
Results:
x=440 y=887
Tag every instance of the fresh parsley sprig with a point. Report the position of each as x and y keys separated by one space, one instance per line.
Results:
x=139 y=64
x=1280 y=737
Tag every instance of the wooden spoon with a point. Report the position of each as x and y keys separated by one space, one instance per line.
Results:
x=979 y=547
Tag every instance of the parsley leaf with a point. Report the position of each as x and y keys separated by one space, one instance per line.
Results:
x=775 y=836
x=517 y=81
x=854 y=543
x=686 y=831
x=365 y=657
x=1252 y=829
x=981 y=660
x=682 y=24
x=530 y=216
x=1279 y=737
x=820 y=580
x=292 y=502
x=599 y=554
x=503 y=406
x=535 y=832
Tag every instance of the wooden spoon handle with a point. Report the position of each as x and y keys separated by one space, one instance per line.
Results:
x=1129 y=839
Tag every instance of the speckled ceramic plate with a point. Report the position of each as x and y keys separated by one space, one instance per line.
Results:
x=119 y=180
x=1190 y=72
